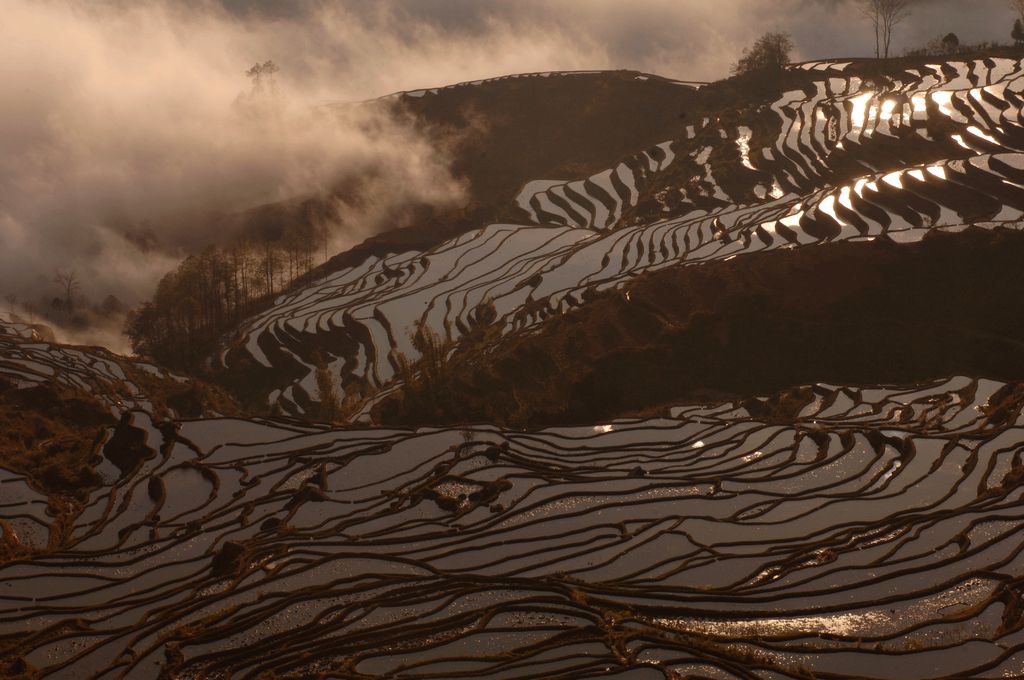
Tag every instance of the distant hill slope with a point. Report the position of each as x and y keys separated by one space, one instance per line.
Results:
x=844 y=152
x=118 y=382
x=853 y=313
x=501 y=133
x=510 y=130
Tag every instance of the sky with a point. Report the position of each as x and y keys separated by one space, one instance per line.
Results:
x=125 y=124
x=685 y=39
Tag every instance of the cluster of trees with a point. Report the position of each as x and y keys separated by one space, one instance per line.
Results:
x=262 y=74
x=209 y=293
x=950 y=43
x=331 y=406
x=425 y=382
x=263 y=101
x=63 y=304
x=768 y=56
x=886 y=15
x=1018 y=25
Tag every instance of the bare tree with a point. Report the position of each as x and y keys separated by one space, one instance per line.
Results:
x=68 y=283
x=255 y=74
x=269 y=69
x=869 y=8
x=260 y=73
x=885 y=16
x=330 y=405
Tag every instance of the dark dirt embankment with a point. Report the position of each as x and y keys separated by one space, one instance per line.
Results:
x=52 y=436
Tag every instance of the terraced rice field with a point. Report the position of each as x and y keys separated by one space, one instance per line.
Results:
x=830 y=532
x=877 y=534
x=27 y=360
x=935 y=148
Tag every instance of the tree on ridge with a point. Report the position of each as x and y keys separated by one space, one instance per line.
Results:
x=68 y=282
x=769 y=53
x=885 y=16
x=260 y=71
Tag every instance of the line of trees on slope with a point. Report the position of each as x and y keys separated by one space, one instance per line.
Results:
x=949 y=45
x=210 y=293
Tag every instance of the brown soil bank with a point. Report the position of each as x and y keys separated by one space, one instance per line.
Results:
x=52 y=436
x=852 y=313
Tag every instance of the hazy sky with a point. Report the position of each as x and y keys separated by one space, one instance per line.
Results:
x=687 y=39
x=122 y=117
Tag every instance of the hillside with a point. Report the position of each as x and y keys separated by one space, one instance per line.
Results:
x=844 y=157
x=500 y=134
x=855 y=313
x=704 y=381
